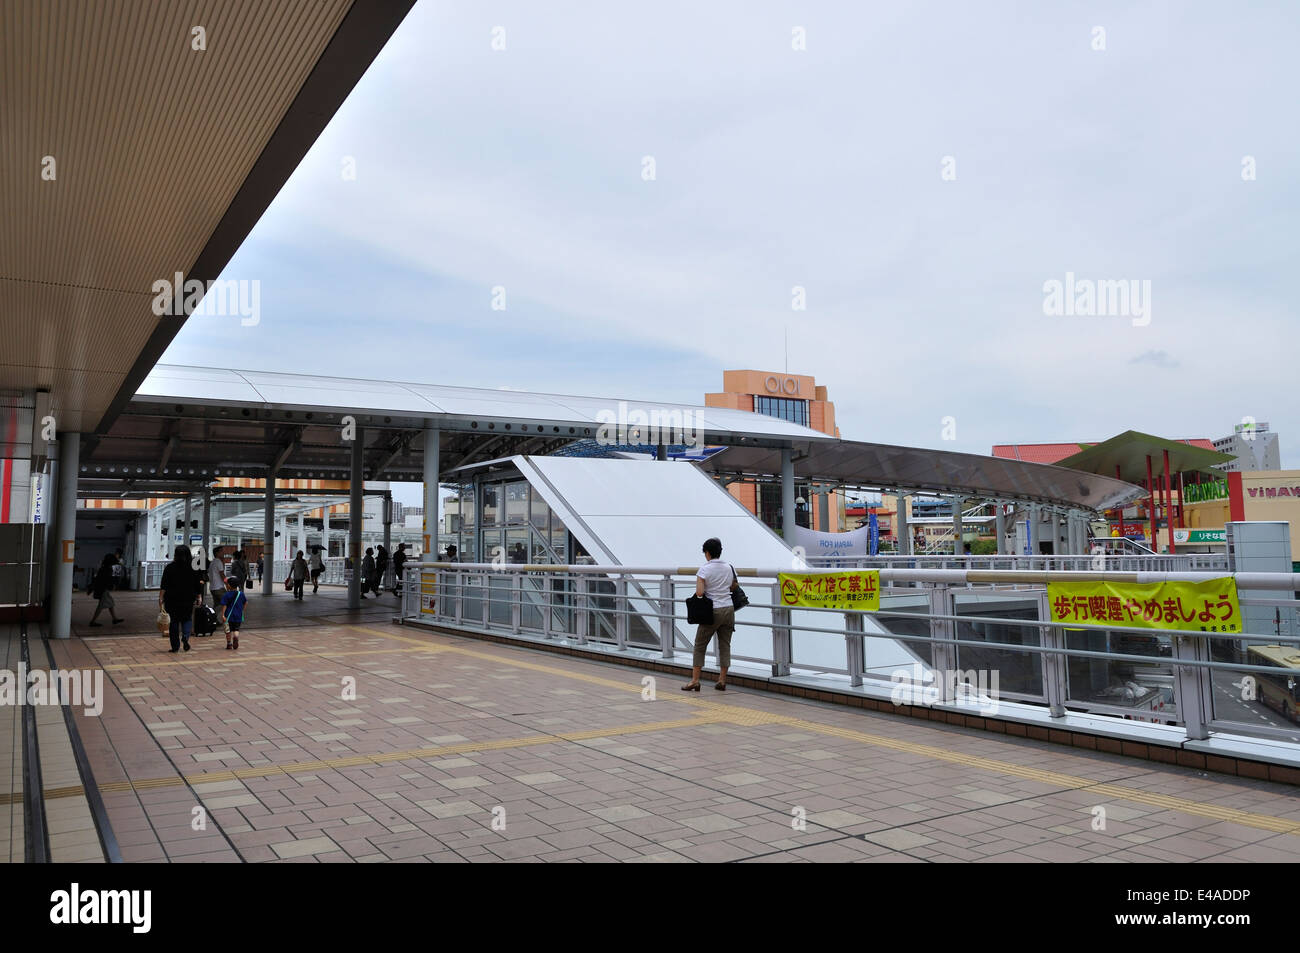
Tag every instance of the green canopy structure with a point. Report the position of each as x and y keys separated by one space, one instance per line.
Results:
x=1151 y=461
x=1126 y=457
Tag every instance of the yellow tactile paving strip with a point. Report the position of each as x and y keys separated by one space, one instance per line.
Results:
x=235 y=658
x=708 y=713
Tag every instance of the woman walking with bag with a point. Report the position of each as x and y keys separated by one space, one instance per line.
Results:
x=716 y=580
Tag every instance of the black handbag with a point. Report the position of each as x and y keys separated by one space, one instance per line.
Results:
x=699 y=610
x=738 y=598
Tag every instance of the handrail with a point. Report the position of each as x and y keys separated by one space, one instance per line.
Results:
x=1244 y=580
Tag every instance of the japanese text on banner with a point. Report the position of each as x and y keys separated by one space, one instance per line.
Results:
x=1207 y=606
x=832 y=590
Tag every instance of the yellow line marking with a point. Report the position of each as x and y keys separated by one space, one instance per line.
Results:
x=711 y=713
x=736 y=714
x=234 y=658
x=412 y=754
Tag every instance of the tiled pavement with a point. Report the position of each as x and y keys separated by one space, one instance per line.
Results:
x=458 y=750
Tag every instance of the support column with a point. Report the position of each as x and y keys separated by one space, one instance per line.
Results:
x=64 y=537
x=902 y=532
x=302 y=536
x=1032 y=530
x=52 y=554
x=661 y=453
x=958 y=545
x=1151 y=506
x=356 y=513
x=824 y=509
x=325 y=528
x=388 y=522
x=268 y=536
x=432 y=468
x=1169 y=509
x=787 y=496
x=1000 y=527
x=207 y=524
x=185 y=540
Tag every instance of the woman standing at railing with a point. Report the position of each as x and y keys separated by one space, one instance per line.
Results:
x=716 y=580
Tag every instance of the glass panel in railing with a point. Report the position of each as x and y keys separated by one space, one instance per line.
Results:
x=1139 y=688
x=1003 y=670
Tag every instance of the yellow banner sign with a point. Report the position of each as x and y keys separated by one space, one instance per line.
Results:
x=428 y=592
x=859 y=589
x=1206 y=606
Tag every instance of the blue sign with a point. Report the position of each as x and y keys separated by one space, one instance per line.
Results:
x=874 y=531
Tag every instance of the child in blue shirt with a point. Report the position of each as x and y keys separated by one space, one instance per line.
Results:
x=232 y=611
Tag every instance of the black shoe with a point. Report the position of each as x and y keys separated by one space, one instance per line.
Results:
x=173 y=650
x=117 y=621
x=187 y=645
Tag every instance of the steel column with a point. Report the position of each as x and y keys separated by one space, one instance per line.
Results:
x=432 y=464
x=65 y=536
x=666 y=627
x=902 y=534
x=207 y=523
x=1151 y=506
x=958 y=544
x=787 y=496
x=268 y=536
x=1169 y=510
x=356 y=513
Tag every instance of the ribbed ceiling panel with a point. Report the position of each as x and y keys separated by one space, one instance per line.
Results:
x=151 y=139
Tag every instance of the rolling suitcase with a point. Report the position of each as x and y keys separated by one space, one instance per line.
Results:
x=205 y=620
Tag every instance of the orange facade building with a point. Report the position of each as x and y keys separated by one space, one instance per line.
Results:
x=799 y=399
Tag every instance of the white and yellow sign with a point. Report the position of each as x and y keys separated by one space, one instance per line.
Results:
x=856 y=589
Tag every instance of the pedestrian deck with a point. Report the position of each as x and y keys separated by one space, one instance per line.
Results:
x=455 y=749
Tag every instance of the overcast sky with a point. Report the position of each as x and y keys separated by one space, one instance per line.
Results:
x=823 y=168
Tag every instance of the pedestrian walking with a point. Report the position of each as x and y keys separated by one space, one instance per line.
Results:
x=399 y=562
x=368 y=581
x=298 y=572
x=317 y=566
x=102 y=589
x=216 y=578
x=231 y=614
x=180 y=591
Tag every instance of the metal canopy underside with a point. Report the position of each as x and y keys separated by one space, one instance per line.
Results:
x=883 y=467
x=1129 y=452
x=131 y=156
x=193 y=424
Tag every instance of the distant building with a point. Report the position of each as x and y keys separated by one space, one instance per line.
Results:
x=798 y=399
x=1254 y=447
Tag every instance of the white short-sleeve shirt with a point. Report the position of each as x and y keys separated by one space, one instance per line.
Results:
x=717 y=582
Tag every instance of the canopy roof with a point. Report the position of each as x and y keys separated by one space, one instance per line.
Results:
x=882 y=467
x=133 y=156
x=191 y=425
x=1129 y=452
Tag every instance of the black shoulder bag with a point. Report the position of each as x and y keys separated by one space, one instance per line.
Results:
x=738 y=598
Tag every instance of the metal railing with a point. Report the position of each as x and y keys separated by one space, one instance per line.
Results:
x=1096 y=562
x=943 y=635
